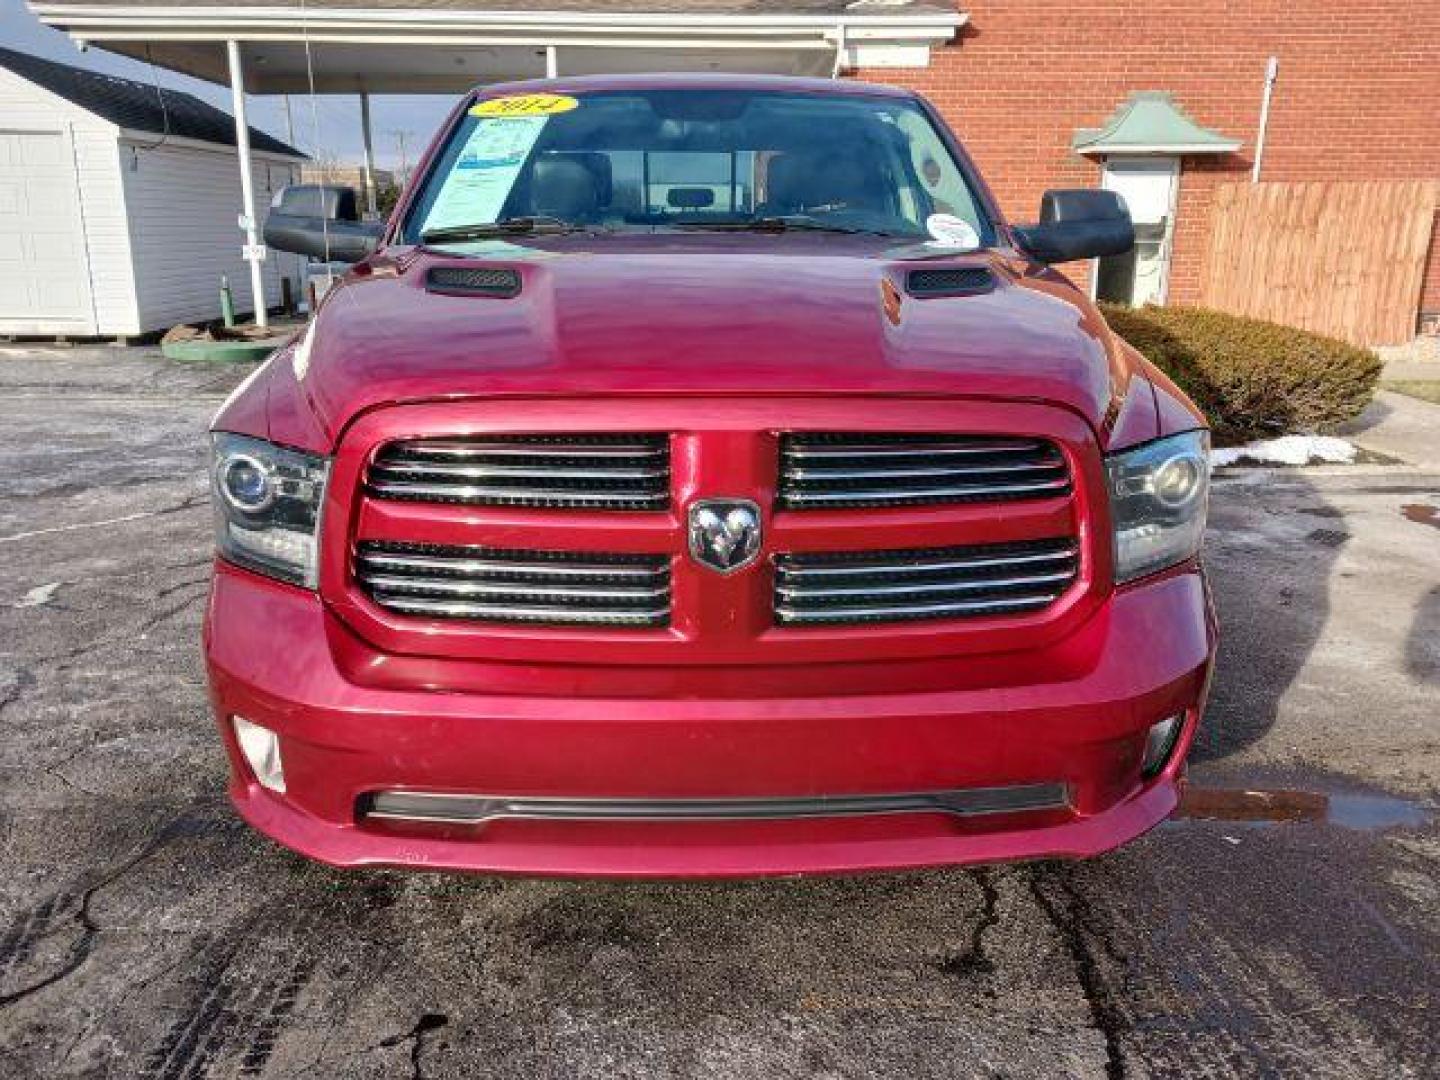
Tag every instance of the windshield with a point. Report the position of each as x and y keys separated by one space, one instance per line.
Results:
x=695 y=158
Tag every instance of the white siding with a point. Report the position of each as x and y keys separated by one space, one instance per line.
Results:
x=107 y=233
x=92 y=143
x=184 y=203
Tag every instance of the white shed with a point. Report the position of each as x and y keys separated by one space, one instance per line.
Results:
x=119 y=202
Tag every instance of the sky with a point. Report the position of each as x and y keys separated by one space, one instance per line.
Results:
x=339 y=115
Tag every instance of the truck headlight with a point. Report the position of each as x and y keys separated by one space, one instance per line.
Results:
x=1158 y=496
x=267 y=506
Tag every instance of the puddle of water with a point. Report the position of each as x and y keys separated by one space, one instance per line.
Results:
x=1376 y=812
x=1422 y=514
x=1363 y=812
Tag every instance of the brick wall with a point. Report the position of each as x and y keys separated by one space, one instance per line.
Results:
x=1358 y=95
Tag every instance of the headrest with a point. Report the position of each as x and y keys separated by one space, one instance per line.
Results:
x=800 y=180
x=597 y=164
x=563 y=188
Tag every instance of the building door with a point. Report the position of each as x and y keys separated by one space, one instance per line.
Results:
x=44 y=281
x=1148 y=185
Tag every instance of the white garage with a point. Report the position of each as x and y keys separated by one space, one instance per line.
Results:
x=118 y=204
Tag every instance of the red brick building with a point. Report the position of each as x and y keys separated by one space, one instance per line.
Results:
x=1356 y=97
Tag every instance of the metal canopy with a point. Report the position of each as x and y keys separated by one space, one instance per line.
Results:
x=1150 y=122
x=446 y=46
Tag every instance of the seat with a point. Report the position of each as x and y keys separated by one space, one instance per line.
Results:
x=803 y=181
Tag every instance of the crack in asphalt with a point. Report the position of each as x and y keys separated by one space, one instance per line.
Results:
x=1105 y=1016
x=155 y=620
x=206 y=561
x=79 y=789
x=189 y=503
x=416 y=1037
x=61 y=660
x=974 y=960
x=121 y=575
x=84 y=945
x=175 y=587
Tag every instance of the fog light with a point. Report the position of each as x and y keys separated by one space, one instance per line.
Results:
x=1159 y=743
x=261 y=748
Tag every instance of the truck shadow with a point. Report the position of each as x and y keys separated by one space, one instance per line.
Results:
x=1270 y=551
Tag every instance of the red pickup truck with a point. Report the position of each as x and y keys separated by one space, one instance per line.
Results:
x=698 y=476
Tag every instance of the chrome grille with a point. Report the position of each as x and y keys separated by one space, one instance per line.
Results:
x=928 y=583
x=589 y=472
x=822 y=471
x=494 y=585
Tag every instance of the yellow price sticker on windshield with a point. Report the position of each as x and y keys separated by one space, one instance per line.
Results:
x=525 y=105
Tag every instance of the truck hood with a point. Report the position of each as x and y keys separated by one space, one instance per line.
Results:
x=703 y=314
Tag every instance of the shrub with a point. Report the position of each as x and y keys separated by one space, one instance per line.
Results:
x=1252 y=378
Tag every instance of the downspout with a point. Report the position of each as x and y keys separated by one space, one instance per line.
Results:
x=1272 y=69
x=840 y=47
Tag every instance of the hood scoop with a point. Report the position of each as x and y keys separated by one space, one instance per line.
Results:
x=496 y=281
x=949 y=281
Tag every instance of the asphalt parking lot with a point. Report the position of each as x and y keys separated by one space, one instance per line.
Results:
x=145 y=932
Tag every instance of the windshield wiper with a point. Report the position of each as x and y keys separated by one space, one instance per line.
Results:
x=515 y=226
x=787 y=223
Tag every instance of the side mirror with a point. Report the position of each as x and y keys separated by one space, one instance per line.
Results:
x=1078 y=223
x=320 y=220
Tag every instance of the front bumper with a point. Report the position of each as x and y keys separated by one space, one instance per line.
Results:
x=268 y=652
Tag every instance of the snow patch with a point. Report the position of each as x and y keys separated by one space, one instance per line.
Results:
x=38 y=596
x=1288 y=450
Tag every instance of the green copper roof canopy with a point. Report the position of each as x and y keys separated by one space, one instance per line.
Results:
x=1149 y=122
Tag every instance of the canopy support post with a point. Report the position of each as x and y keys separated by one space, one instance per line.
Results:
x=254 y=251
x=369 y=139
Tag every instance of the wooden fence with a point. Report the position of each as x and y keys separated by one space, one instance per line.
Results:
x=1344 y=259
